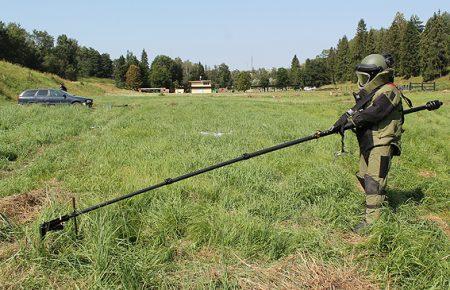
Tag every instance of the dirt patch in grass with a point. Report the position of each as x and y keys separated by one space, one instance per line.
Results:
x=208 y=254
x=298 y=271
x=439 y=222
x=353 y=239
x=302 y=272
x=427 y=173
x=24 y=207
x=15 y=276
x=7 y=249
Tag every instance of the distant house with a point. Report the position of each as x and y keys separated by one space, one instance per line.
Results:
x=179 y=91
x=201 y=87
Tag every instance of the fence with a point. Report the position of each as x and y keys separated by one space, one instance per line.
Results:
x=421 y=86
x=274 y=88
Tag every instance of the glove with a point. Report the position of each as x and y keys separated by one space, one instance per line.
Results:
x=340 y=123
x=433 y=105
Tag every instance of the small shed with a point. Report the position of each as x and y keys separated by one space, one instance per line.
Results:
x=201 y=87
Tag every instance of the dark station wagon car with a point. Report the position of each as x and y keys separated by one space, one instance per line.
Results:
x=52 y=97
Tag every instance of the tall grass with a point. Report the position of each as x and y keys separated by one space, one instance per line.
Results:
x=195 y=234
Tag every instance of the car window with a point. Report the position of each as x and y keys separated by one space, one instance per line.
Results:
x=29 y=93
x=42 y=93
x=56 y=94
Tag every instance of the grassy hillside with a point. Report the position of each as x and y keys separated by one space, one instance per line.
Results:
x=281 y=220
x=14 y=79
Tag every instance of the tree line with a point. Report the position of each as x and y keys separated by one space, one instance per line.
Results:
x=64 y=57
x=165 y=72
x=417 y=49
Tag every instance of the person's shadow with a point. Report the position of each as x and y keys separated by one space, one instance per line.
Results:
x=398 y=197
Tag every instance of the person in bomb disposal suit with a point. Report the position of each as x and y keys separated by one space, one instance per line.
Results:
x=378 y=117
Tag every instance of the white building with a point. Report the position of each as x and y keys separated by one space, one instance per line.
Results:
x=201 y=87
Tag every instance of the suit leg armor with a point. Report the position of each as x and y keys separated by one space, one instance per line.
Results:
x=375 y=177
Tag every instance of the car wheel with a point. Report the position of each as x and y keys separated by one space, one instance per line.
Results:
x=76 y=103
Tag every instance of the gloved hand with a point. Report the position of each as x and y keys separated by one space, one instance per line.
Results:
x=433 y=105
x=340 y=123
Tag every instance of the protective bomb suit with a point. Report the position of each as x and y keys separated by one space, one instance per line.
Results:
x=378 y=117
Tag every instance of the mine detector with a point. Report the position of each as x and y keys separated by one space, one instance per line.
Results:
x=58 y=223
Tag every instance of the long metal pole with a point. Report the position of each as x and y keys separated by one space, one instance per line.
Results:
x=57 y=224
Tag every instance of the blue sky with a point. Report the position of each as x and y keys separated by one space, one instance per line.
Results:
x=211 y=31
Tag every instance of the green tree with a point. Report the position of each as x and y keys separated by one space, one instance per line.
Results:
x=359 y=43
x=295 y=72
x=316 y=72
x=5 y=43
x=65 y=52
x=130 y=59
x=394 y=40
x=120 y=70
x=331 y=64
x=243 y=81
x=44 y=44
x=21 y=49
x=177 y=72
x=264 y=79
x=344 y=71
x=161 y=72
x=221 y=76
x=434 y=47
x=371 y=43
x=381 y=44
x=89 y=62
x=197 y=72
x=410 y=48
x=187 y=68
x=145 y=69
x=106 y=66
x=282 y=77
x=133 y=77
x=417 y=23
x=37 y=50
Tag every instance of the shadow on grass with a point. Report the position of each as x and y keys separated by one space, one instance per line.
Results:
x=398 y=197
x=10 y=156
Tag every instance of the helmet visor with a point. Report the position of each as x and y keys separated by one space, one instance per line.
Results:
x=363 y=78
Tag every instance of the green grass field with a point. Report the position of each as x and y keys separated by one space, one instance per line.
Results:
x=280 y=220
